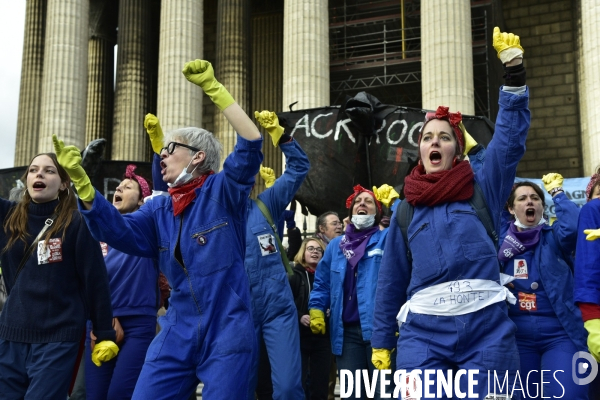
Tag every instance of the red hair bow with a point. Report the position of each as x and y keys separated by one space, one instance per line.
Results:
x=454 y=119
x=358 y=190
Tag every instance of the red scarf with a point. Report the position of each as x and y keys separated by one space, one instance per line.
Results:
x=183 y=195
x=424 y=189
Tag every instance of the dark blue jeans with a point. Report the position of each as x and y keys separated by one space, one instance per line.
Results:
x=356 y=355
x=36 y=371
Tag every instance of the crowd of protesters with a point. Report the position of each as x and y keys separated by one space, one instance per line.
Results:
x=86 y=278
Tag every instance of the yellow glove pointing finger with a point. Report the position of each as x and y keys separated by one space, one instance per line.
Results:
x=592 y=234
x=104 y=351
x=382 y=358
x=508 y=45
x=317 y=321
x=69 y=157
x=155 y=132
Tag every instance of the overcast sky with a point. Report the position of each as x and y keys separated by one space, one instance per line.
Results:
x=12 y=20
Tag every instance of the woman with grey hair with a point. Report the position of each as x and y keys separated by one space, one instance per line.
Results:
x=198 y=236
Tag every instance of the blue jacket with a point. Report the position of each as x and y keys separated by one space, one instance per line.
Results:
x=209 y=285
x=276 y=198
x=587 y=256
x=448 y=241
x=328 y=289
x=552 y=260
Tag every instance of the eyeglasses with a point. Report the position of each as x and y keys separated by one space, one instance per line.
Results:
x=171 y=147
x=313 y=249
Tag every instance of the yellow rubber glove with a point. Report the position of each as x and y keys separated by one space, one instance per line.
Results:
x=552 y=181
x=69 y=157
x=268 y=175
x=201 y=73
x=593 y=341
x=469 y=141
x=104 y=351
x=381 y=358
x=317 y=321
x=385 y=194
x=507 y=45
x=592 y=234
x=155 y=132
x=269 y=121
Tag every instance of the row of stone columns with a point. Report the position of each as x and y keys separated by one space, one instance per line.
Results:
x=66 y=92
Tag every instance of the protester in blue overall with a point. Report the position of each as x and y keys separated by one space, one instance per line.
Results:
x=272 y=300
x=197 y=234
x=539 y=256
x=450 y=250
x=55 y=279
x=345 y=283
x=135 y=300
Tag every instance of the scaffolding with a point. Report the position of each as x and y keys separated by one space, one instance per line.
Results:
x=375 y=46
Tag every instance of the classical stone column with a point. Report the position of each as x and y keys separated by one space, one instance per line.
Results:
x=447 y=55
x=232 y=64
x=100 y=99
x=589 y=84
x=179 y=102
x=267 y=80
x=28 y=122
x=305 y=54
x=64 y=84
x=130 y=140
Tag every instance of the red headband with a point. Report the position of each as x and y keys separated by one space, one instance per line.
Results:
x=358 y=190
x=141 y=181
x=588 y=189
x=454 y=119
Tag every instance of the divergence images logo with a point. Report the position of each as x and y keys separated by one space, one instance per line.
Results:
x=582 y=367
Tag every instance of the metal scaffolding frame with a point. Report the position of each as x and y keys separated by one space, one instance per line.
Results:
x=375 y=46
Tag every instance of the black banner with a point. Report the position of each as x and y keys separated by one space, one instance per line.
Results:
x=336 y=148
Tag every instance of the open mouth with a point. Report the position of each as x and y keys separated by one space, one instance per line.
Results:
x=435 y=157
x=361 y=211
x=163 y=167
x=530 y=214
x=117 y=199
x=39 y=185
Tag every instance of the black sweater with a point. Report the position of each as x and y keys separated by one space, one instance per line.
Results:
x=51 y=302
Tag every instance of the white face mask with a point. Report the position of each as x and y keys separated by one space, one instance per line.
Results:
x=525 y=227
x=184 y=176
x=363 y=221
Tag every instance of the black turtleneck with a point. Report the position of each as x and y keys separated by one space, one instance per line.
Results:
x=51 y=302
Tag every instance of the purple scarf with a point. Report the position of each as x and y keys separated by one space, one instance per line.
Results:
x=516 y=242
x=354 y=243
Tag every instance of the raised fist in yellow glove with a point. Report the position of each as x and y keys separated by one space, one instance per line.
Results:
x=155 y=132
x=317 y=321
x=104 y=351
x=592 y=234
x=552 y=181
x=201 y=73
x=385 y=194
x=508 y=45
x=69 y=157
x=593 y=341
x=382 y=358
x=269 y=121
x=268 y=175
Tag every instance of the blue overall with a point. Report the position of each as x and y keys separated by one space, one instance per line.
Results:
x=207 y=333
x=449 y=244
x=550 y=335
x=273 y=308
